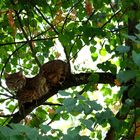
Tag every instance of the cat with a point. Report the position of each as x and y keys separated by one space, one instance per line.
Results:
x=27 y=89
x=55 y=71
x=15 y=81
x=18 y=82
x=51 y=74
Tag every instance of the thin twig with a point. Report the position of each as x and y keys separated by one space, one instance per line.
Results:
x=5 y=116
x=65 y=21
x=29 y=41
x=2 y=100
x=7 y=90
x=10 y=115
x=117 y=23
x=110 y=19
x=52 y=119
x=52 y=104
x=9 y=59
x=7 y=95
x=90 y=16
x=51 y=25
x=21 y=42
x=11 y=43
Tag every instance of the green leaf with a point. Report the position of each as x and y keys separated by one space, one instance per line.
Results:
x=105 y=66
x=8 y=68
x=92 y=49
x=70 y=104
x=41 y=113
x=138 y=27
x=71 y=137
x=78 y=109
x=108 y=48
x=133 y=38
x=6 y=131
x=45 y=128
x=94 y=56
x=123 y=49
x=126 y=107
x=87 y=123
x=115 y=123
x=106 y=91
x=125 y=76
x=103 y=52
x=136 y=58
x=94 y=105
x=65 y=116
x=33 y=23
x=64 y=93
x=65 y=38
x=67 y=137
x=103 y=116
x=87 y=109
x=25 y=130
x=137 y=138
x=74 y=131
x=134 y=92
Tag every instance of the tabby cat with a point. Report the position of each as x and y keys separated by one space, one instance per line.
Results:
x=56 y=72
x=27 y=89
x=15 y=81
x=51 y=74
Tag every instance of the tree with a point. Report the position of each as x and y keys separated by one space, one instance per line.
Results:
x=30 y=30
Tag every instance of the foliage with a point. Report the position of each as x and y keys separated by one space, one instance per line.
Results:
x=30 y=31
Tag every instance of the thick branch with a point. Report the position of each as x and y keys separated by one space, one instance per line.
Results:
x=74 y=80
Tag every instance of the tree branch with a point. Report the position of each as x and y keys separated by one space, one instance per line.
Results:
x=52 y=104
x=74 y=80
x=51 y=25
x=25 y=35
x=114 y=15
x=9 y=59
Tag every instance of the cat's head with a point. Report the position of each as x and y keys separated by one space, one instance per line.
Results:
x=15 y=81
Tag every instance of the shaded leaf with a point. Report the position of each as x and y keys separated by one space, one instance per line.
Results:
x=125 y=76
x=136 y=58
x=123 y=49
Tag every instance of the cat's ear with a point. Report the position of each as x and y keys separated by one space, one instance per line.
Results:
x=6 y=75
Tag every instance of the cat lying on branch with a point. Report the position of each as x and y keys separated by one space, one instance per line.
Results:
x=51 y=74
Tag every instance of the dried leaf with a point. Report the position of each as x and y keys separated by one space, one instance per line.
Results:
x=73 y=14
x=117 y=83
x=88 y=7
x=59 y=17
x=51 y=111
x=10 y=18
x=11 y=21
x=57 y=54
x=137 y=133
